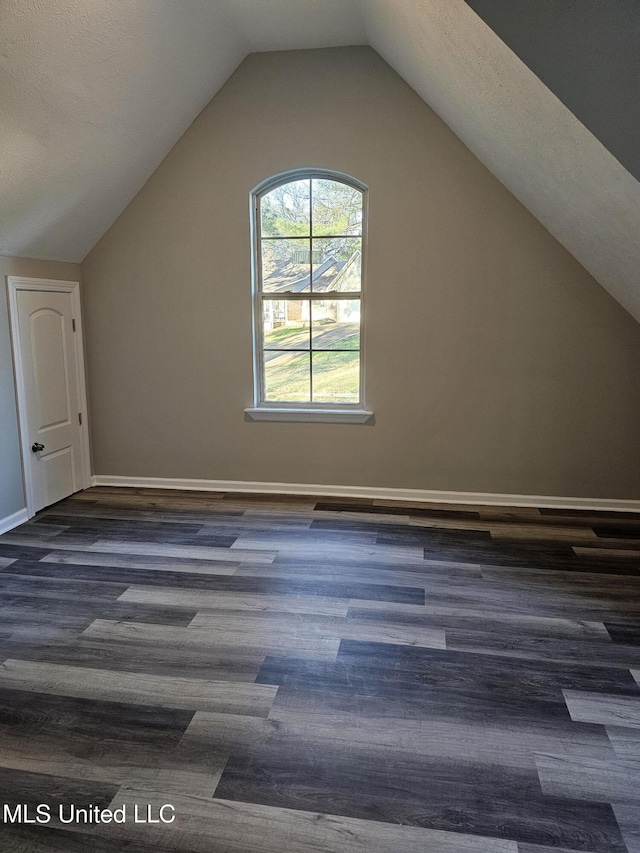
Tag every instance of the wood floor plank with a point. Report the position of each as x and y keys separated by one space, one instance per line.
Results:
x=128 y=755
x=302 y=626
x=257 y=582
x=33 y=789
x=258 y=641
x=345 y=550
x=484 y=597
x=91 y=543
x=607 y=710
x=625 y=741
x=616 y=553
x=38 y=530
x=596 y=780
x=435 y=794
x=547 y=532
x=620 y=541
x=357 y=521
x=567 y=573
x=179 y=693
x=51 y=586
x=85 y=510
x=300 y=673
x=621 y=632
x=33 y=610
x=543 y=848
x=334 y=572
x=143 y=561
x=219 y=664
x=105 y=526
x=628 y=818
x=593 y=650
x=45 y=839
x=308 y=539
x=268 y=503
x=195 y=552
x=508 y=745
x=222 y=826
x=401 y=681
x=235 y=601
x=134 y=768
x=505 y=625
x=89 y=723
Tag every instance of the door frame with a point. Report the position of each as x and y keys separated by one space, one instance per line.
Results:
x=14 y=285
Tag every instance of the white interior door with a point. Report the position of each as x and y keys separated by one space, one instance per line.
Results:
x=51 y=395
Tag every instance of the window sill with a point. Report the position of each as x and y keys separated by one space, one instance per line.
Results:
x=324 y=416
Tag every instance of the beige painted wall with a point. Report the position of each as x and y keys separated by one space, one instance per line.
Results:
x=12 y=497
x=494 y=361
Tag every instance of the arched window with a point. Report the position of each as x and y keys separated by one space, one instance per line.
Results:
x=309 y=230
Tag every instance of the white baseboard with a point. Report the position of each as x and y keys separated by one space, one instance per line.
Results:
x=375 y=493
x=13 y=520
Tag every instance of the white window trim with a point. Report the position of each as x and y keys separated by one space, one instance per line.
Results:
x=321 y=413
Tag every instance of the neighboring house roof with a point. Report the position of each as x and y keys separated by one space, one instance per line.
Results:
x=331 y=275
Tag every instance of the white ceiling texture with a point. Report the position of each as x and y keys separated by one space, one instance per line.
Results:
x=94 y=93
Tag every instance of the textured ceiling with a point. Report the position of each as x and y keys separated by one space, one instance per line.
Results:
x=515 y=125
x=94 y=93
x=588 y=53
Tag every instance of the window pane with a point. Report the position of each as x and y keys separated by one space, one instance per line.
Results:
x=336 y=377
x=337 y=264
x=336 y=324
x=284 y=212
x=286 y=265
x=285 y=323
x=287 y=377
x=337 y=208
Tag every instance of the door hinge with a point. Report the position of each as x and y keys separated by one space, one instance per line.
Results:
x=80 y=418
x=73 y=325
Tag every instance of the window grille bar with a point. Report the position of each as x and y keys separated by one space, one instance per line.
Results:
x=315 y=237
x=318 y=296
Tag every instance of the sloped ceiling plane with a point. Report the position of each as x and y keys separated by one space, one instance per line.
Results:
x=94 y=95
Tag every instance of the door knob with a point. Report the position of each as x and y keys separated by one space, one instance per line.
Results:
x=36 y=446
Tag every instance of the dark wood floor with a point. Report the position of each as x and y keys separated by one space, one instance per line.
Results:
x=302 y=675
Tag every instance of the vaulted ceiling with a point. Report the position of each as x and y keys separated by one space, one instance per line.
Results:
x=94 y=93
x=588 y=53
